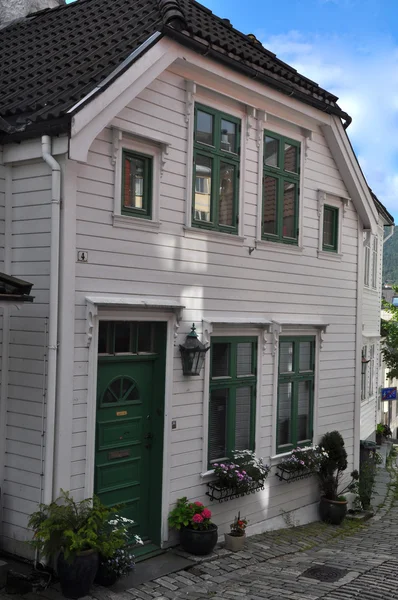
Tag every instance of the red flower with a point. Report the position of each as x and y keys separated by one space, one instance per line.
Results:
x=206 y=513
x=198 y=504
x=197 y=518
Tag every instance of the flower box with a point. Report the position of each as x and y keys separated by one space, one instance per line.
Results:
x=223 y=493
x=290 y=475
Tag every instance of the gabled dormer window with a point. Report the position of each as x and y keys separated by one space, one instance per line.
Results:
x=216 y=170
x=281 y=179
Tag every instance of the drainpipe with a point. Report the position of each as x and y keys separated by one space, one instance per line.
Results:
x=53 y=317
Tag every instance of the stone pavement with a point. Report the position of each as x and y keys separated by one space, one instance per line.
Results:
x=274 y=565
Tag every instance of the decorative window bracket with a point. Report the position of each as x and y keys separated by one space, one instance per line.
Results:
x=307 y=139
x=322 y=199
x=223 y=494
x=261 y=119
x=250 y=115
x=289 y=476
x=276 y=329
x=189 y=99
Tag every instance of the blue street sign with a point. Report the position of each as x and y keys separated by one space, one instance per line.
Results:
x=389 y=393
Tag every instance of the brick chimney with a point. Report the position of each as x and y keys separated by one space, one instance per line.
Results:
x=10 y=10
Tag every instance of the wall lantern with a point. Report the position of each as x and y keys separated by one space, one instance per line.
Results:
x=193 y=354
x=364 y=363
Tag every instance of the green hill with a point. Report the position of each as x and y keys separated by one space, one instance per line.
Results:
x=390 y=259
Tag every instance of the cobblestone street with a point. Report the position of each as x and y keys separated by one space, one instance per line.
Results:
x=274 y=565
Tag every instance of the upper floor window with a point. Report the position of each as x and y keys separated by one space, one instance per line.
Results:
x=216 y=170
x=330 y=228
x=372 y=370
x=233 y=378
x=281 y=179
x=296 y=380
x=136 y=185
x=364 y=370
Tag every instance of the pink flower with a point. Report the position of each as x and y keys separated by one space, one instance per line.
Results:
x=197 y=518
x=198 y=503
x=206 y=513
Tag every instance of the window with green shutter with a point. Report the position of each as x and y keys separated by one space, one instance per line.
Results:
x=281 y=183
x=296 y=378
x=330 y=228
x=136 y=184
x=216 y=170
x=232 y=398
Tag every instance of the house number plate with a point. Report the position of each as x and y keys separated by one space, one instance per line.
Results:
x=121 y=413
x=118 y=454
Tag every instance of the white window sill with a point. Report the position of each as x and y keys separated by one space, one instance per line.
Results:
x=127 y=222
x=209 y=473
x=213 y=236
x=330 y=255
x=278 y=247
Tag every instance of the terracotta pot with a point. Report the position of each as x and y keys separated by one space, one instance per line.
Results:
x=235 y=543
x=332 y=511
x=76 y=577
x=199 y=542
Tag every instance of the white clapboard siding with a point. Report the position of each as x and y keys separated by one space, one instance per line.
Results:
x=216 y=277
x=30 y=256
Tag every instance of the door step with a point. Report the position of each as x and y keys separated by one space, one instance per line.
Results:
x=146 y=551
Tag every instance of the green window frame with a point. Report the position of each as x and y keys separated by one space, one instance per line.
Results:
x=232 y=396
x=220 y=163
x=330 y=234
x=137 y=171
x=295 y=425
x=281 y=189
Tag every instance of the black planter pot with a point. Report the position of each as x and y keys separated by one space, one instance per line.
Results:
x=77 y=577
x=198 y=542
x=332 y=511
x=105 y=578
x=379 y=439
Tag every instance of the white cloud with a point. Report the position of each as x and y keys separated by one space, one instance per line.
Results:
x=365 y=78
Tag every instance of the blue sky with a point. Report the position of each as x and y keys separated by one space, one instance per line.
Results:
x=350 y=47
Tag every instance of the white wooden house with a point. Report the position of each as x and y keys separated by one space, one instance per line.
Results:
x=160 y=168
x=371 y=377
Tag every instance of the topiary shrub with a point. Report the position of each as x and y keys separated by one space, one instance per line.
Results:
x=332 y=466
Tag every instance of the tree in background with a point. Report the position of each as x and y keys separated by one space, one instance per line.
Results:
x=389 y=334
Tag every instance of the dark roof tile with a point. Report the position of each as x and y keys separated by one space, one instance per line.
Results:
x=52 y=59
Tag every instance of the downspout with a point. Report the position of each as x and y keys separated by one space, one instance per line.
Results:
x=53 y=317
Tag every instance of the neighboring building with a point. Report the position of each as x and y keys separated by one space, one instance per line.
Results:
x=201 y=181
x=372 y=297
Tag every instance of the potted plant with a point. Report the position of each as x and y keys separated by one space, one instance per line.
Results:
x=235 y=540
x=198 y=535
x=333 y=463
x=74 y=532
x=379 y=433
x=121 y=563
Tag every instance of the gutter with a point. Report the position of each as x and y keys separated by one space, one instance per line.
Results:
x=207 y=50
x=53 y=317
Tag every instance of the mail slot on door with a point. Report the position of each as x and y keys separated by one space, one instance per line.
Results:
x=118 y=454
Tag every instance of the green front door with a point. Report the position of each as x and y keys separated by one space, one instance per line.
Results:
x=129 y=434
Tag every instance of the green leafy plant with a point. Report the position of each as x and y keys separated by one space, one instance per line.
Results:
x=190 y=514
x=332 y=466
x=74 y=527
x=302 y=460
x=389 y=333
